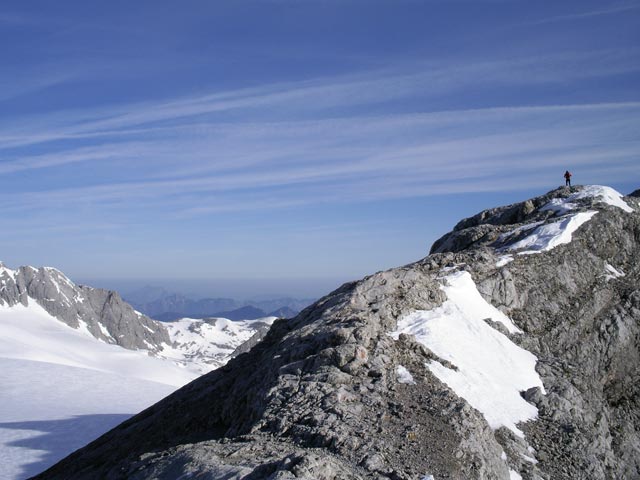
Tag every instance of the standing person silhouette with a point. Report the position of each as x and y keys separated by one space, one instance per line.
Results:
x=567 y=178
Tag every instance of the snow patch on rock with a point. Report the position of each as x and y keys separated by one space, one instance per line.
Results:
x=605 y=194
x=104 y=331
x=503 y=260
x=513 y=475
x=549 y=236
x=492 y=370
x=601 y=193
x=404 y=375
x=612 y=272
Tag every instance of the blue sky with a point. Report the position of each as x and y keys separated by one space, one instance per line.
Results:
x=297 y=144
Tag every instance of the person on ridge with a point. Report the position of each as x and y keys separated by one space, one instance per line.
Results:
x=567 y=178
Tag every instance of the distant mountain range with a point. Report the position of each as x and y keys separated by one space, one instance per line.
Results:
x=160 y=304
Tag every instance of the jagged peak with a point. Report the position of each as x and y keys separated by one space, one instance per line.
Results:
x=102 y=313
x=4 y=270
x=49 y=271
x=54 y=270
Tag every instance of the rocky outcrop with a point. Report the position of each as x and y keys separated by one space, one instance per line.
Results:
x=486 y=227
x=102 y=312
x=330 y=394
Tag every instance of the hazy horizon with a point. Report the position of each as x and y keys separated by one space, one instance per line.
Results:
x=237 y=288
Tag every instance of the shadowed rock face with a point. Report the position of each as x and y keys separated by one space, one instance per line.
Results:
x=319 y=397
x=105 y=314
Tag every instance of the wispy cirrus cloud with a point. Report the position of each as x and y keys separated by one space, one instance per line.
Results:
x=17 y=19
x=299 y=100
x=398 y=156
x=615 y=9
x=34 y=82
x=156 y=142
x=286 y=145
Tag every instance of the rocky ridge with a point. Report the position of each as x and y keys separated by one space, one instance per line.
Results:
x=331 y=394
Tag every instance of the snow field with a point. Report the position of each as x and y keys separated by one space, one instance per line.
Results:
x=47 y=411
x=31 y=333
x=492 y=370
x=62 y=388
x=213 y=339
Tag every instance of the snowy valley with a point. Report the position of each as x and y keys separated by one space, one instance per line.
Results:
x=67 y=379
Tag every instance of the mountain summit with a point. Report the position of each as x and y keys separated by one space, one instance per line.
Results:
x=511 y=351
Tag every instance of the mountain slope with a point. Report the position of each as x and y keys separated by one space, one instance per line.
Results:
x=37 y=306
x=512 y=351
x=31 y=333
x=101 y=312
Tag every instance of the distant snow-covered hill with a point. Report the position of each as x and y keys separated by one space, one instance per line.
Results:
x=204 y=345
x=31 y=333
x=47 y=317
x=75 y=361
